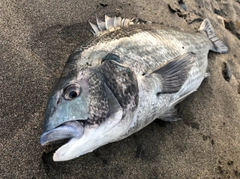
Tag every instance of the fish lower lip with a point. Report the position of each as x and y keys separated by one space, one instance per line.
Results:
x=71 y=129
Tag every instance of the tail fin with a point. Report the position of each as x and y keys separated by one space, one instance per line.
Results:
x=217 y=44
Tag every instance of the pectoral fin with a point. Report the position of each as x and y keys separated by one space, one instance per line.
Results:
x=175 y=72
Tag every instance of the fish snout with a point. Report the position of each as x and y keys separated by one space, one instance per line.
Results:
x=68 y=130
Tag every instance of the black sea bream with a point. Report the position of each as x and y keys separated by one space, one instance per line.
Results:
x=126 y=76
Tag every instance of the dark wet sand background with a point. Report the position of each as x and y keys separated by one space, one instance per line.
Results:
x=36 y=38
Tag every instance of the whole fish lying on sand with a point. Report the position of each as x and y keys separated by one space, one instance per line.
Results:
x=126 y=76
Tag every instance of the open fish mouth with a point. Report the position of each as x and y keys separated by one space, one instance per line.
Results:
x=68 y=130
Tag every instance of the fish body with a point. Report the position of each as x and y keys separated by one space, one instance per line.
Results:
x=128 y=75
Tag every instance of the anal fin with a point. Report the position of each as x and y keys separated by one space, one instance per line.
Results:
x=181 y=98
x=170 y=115
x=207 y=75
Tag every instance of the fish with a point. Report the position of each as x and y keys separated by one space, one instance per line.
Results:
x=128 y=74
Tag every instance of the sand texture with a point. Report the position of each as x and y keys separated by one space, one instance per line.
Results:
x=36 y=38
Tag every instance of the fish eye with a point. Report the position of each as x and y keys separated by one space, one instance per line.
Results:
x=72 y=91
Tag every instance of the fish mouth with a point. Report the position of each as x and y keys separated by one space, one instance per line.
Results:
x=67 y=130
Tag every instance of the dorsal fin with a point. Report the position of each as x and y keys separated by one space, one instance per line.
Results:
x=112 y=23
x=108 y=22
x=118 y=22
x=95 y=28
x=100 y=24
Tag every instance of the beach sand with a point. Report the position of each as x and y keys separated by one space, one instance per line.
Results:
x=36 y=38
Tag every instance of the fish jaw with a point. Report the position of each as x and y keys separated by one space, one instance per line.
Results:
x=71 y=129
x=94 y=136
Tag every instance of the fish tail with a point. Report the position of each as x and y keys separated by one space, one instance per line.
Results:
x=217 y=44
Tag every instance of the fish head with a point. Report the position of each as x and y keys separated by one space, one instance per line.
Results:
x=63 y=102
x=84 y=109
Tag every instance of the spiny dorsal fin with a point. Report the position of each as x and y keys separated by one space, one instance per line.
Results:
x=100 y=24
x=117 y=22
x=112 y=23
x=109 y=22
x=95 y=28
